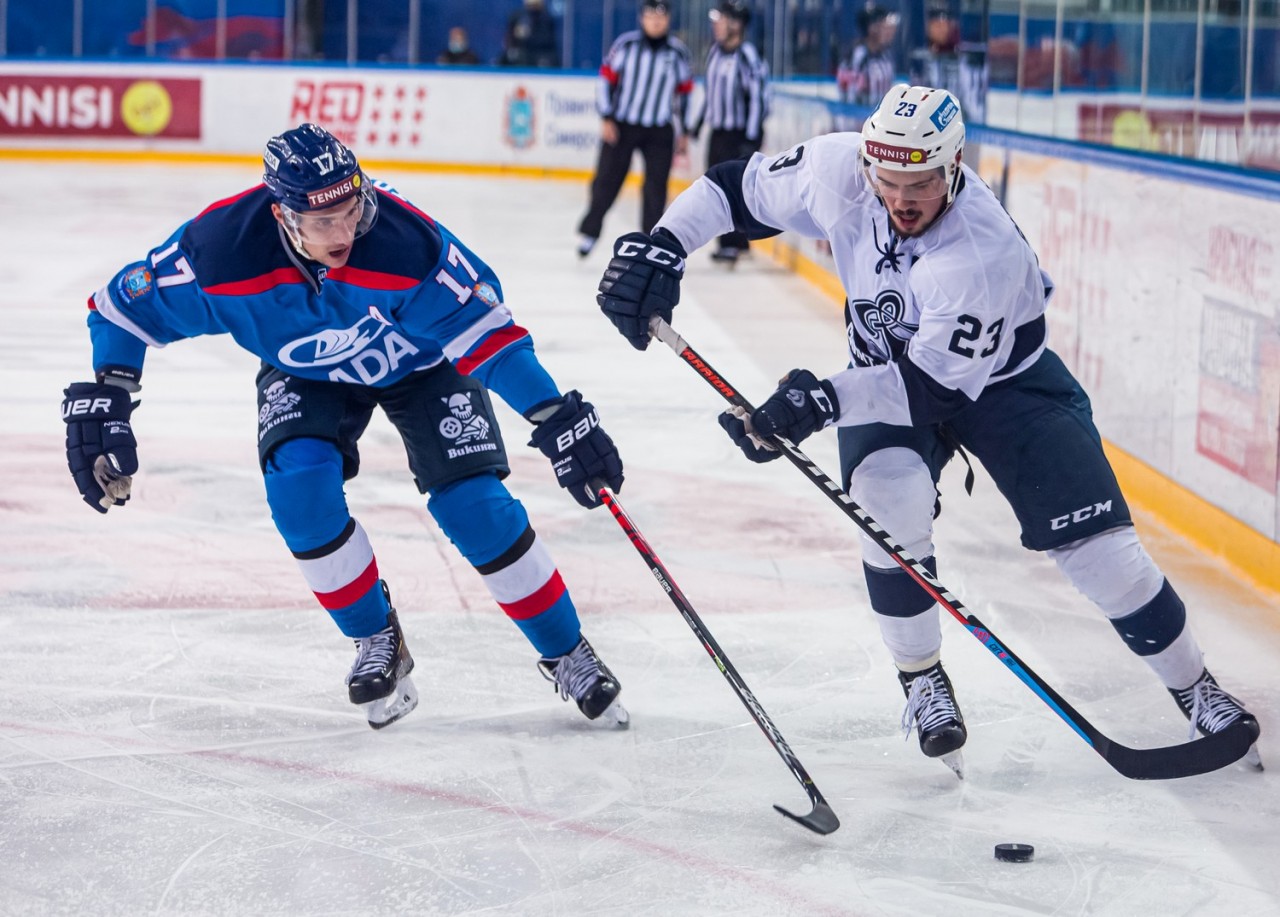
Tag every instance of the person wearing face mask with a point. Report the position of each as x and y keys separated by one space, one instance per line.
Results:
x=645 y=83
x=459 y=50
x=530 y=39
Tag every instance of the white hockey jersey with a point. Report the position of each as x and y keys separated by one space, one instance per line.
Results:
x=932 y=320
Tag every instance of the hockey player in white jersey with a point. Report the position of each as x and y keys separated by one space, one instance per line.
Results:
x=947 y=344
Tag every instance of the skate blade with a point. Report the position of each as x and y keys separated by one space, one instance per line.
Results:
x=955 y=761
x=1252 y=758
x=616 y=715
x=386 y=710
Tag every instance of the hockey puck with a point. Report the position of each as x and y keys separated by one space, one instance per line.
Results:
x=1015 y=853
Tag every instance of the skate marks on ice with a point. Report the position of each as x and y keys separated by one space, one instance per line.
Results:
x=189 y=748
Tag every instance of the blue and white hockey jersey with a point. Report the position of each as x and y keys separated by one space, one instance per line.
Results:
x=409 y=296
x=932 y=320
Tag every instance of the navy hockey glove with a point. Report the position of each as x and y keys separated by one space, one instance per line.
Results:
x=801 y=405
x=101 y=451
x=641 y=281
x=580 y=451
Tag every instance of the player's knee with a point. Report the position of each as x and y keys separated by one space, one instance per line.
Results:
x=303 y=479
x=895 y=487
x=479 y=515
x=1112 y=570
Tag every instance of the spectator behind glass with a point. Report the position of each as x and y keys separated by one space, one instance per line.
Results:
x=872 y=67
x=937 y=64
x=459 y=50
x=530 y=40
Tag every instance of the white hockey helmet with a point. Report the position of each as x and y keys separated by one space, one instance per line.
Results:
x=916 y=129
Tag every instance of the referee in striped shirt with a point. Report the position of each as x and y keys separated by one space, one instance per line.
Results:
x=736 y=102
x=644 y=83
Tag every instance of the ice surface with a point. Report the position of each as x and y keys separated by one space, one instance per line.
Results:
x=175 y=736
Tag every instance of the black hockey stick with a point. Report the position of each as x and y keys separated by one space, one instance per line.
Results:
x=1209 y=753
x=822 y=819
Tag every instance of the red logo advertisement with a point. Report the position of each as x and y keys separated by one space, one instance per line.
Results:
x=91 y=106
x=364 y=113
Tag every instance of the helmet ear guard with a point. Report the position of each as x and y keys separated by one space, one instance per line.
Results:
x=916 y=129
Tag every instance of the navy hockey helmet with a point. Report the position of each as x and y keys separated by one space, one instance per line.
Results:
x=308 y=168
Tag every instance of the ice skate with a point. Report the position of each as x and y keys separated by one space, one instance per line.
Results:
x=379 y=678
x=581 y=675
x=932 y=709
x=726 y=255
x=1211 y=709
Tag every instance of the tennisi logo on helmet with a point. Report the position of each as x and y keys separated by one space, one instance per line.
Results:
x=334 y=193
x=888 y=153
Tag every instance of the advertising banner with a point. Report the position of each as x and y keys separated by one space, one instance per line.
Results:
x=85 y=106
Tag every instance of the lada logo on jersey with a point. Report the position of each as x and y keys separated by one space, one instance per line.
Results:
x=370 y=348
x=883 y=324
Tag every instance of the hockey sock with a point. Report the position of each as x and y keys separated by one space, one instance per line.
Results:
x=491 y=530
x=907 y=615
x=304 y=489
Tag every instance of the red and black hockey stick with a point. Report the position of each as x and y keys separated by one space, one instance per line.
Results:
x=1209 y=753
x=822 y=819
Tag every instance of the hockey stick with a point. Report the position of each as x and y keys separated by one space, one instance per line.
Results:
x=822 y=819
x=1205 y=754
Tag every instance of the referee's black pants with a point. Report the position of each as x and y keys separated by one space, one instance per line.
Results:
x=657 y=147
x=722 y=146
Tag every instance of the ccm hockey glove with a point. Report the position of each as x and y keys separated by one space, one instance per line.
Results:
x=568 y=432
x=101 y=451
x=641 y=281
x=801 y=405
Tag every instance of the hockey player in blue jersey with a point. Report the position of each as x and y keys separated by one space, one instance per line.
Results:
x=354 y=299
x=947 y=348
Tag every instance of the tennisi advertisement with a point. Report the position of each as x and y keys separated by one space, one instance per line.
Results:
x=38 y=105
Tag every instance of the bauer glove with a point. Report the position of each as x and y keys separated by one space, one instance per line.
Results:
x=101 y=451
x=568 y=432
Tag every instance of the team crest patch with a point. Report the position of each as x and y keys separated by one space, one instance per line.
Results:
x=136 y=282
x=486 y=294
x=465 y=427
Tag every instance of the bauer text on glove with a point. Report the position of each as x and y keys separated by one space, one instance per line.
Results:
x=580 y=451
x=102 y=453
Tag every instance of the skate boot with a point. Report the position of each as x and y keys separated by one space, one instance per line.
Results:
x=1210 y=709
x=727 y=255
x=379 y=678
x=581 y=675
x=932 y=708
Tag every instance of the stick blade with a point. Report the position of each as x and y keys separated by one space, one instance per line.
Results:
x=1210 y=753
x=822 y=820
